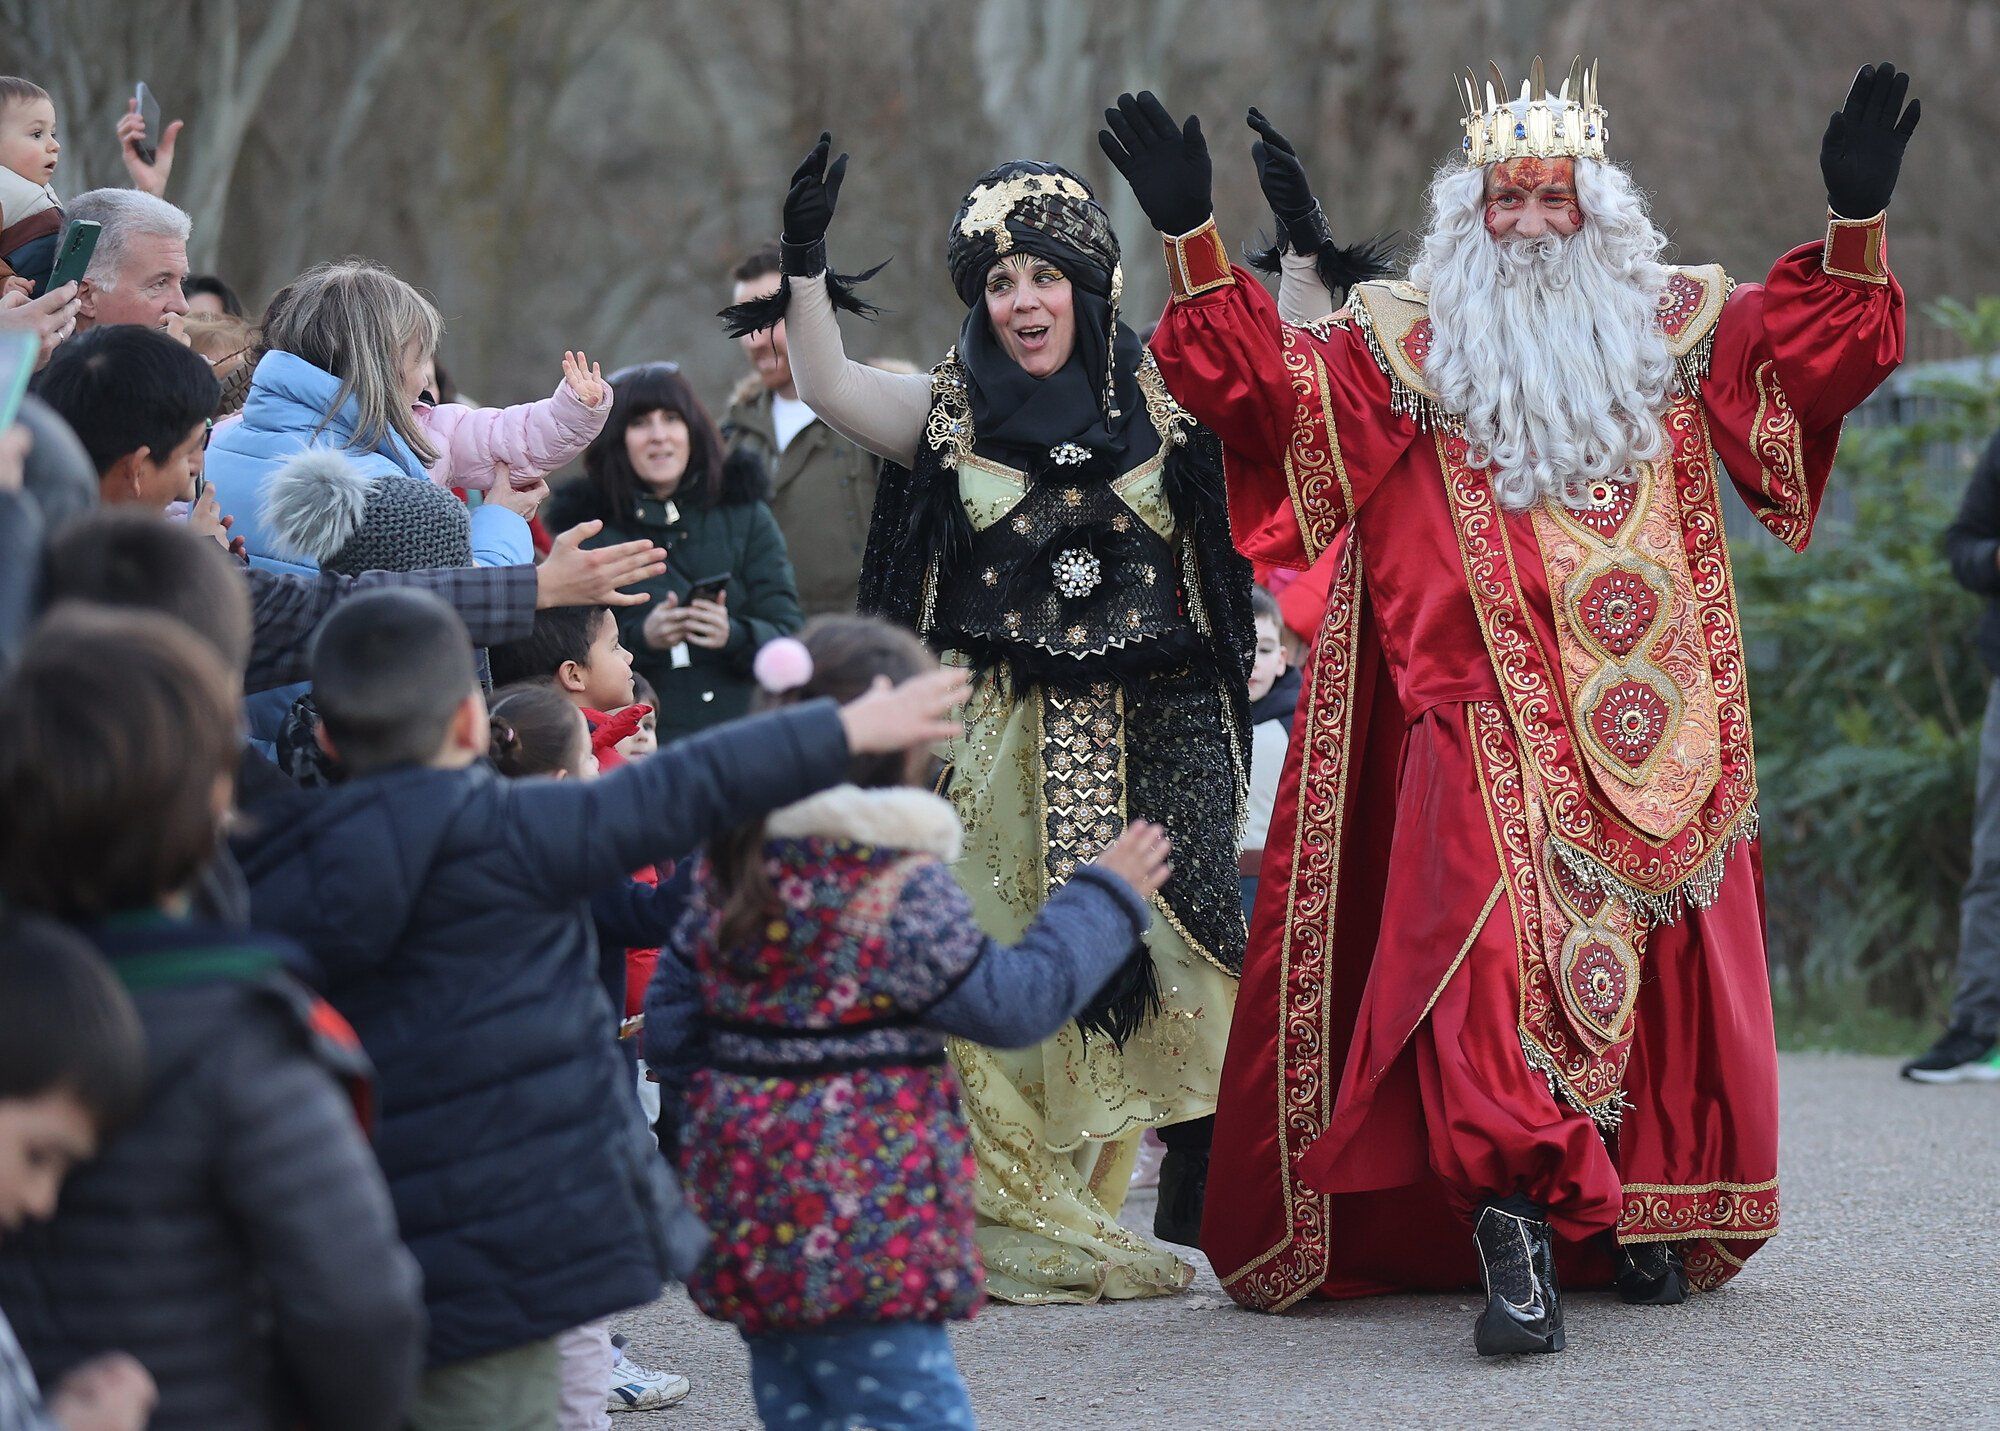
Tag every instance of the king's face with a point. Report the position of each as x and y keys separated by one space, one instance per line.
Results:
x=1528 y=197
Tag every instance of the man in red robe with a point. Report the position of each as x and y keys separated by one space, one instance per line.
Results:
x=1507 y=967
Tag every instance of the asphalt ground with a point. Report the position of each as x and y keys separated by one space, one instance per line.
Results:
x=1878 y=1304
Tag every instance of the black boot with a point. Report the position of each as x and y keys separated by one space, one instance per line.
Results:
x=1650 y=1275
x=1183 y=1182
x=1517 y=1259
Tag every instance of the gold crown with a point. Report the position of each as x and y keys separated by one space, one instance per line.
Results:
x=1570 y=125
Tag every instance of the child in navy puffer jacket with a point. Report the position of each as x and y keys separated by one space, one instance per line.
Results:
x=802 y=1014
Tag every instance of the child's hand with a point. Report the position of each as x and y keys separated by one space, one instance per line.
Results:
x=1139 y=857
x=585 y=379
x=152 y=178
x=112 y=1392
x=906 y=717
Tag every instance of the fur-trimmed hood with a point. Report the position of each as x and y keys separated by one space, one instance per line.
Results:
x=899 y=817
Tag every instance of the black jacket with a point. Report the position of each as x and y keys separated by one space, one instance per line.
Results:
x=739 y=536
x=237 y=1239
x=448 y=912
x=1971 y=542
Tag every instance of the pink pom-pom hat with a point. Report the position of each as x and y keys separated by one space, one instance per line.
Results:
x=782 y=665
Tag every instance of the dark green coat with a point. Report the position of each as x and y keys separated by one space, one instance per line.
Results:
x=740 y=538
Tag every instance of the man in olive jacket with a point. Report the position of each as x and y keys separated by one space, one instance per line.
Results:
x=823 y=486
x=1966 y=1051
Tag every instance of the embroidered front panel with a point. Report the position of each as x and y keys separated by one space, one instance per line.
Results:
x=1297 y=1264
x=1083 y=777
x=1070 y=569
x=1322 y=500
x=1599 y=842
x=1555 y=944
x=1633 y=665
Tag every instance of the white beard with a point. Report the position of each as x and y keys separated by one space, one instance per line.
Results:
x=1549 y=348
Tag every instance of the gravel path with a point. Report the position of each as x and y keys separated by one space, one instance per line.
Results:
x=1879 y=1304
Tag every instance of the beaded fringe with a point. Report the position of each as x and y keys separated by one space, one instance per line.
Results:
x=1696 y=891
x=1608 y=1113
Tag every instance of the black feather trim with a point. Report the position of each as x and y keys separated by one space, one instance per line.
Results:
x=1126 y=1002
x=939 y=526
x=1265 y=258
x=754 y=316
x=1338 y=268
x=1341 y=268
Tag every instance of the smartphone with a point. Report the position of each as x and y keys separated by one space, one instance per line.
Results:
x=18 y=352
x=708 y=588
x=79 y=242
x=149 y=111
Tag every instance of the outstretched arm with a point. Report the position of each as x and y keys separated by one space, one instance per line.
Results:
x=883 y=412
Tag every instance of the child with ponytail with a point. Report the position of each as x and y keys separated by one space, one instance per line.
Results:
x=827 y=954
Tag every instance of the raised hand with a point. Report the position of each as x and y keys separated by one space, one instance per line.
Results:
x=1139 y=857
x=815 y=190
x=572 y=576
x=1863 y=149
x=1166 y=164
x=1286 y=188
x=150 y=178
x=585 y=379
x=907 y=717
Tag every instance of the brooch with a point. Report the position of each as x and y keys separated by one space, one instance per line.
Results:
x=1069 y=454
x=1077 y=572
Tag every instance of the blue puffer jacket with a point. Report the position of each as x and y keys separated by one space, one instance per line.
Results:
x=448 y=914
x=289 y=399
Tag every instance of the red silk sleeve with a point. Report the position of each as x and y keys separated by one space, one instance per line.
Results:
x=1792 y=357
x=1304 y=419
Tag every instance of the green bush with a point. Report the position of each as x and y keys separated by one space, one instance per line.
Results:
x=1867 y=696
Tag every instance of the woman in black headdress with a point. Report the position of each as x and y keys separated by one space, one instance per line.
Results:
x=1051 y=517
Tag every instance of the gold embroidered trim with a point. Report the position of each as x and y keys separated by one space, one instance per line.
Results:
x=1875 y=267
x=1083 y=777
x=1305 y=1100
x=949 y=426
x=1170 y=419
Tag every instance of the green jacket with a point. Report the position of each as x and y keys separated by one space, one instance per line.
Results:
x=823 y=492
x=740 y=538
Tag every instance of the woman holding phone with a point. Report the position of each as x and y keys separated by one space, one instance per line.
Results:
x=658 y=471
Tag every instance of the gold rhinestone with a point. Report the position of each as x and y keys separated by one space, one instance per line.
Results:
x=1022 y=524
x=1072 y=498
x=1076 y=635
x=990 y=577
x=1121 y=523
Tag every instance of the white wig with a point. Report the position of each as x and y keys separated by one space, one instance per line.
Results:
x=1548 y=348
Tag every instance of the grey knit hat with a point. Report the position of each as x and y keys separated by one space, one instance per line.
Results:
x=321 y=507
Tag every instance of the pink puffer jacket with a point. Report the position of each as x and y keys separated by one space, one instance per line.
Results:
x=527 y=441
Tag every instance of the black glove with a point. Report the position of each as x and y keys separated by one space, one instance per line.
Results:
x=1166 y=164
x=1283 y=178
x=1863 y=147
x=809 y=207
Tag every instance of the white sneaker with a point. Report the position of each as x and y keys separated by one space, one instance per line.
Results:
x=638 y=1388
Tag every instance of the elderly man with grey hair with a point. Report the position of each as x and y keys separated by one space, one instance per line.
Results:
x=135 y=276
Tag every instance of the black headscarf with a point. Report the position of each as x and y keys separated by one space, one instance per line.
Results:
x=1093 y=400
